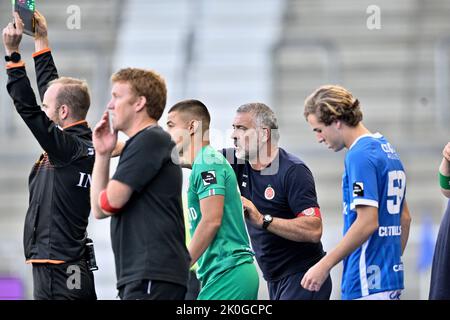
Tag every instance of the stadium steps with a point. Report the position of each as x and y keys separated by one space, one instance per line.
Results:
x=231 y=64
x=215 y=51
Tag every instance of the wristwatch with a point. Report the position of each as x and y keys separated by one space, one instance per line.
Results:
x=14 y=57
x=267 y=219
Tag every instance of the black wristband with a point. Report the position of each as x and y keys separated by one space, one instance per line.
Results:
x=14 y=57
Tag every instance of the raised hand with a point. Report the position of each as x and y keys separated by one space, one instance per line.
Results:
x=104 y=141
x=41 y=29
x=12 y=35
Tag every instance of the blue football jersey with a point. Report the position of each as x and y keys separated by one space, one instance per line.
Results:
x=374 y=176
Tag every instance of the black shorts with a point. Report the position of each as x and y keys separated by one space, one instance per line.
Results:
x=289 y=288
x=152 y=290
x=67 y=281
x=193 y=286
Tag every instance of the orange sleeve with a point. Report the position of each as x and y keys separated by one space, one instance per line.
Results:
x=11 y=65
x=38 y=53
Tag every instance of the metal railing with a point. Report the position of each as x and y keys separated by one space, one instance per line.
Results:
x=189 y=46
x=330 y=58
x=441 y=70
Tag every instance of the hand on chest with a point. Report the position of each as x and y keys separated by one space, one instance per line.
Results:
x=265 y=193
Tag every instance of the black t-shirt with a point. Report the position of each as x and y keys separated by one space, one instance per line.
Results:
x=283 y=190
x=440 y=272
x=148 y=235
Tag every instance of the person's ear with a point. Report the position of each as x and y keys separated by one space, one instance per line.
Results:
x=268 y=133
x=140 y=103
x=194 y=126
x=264 y=134
x=338 y=124
x=63 y=112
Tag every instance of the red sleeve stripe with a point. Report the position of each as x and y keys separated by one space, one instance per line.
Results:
x=104 y=203
x=310 y=212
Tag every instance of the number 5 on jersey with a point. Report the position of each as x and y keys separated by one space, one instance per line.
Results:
x=396 y=188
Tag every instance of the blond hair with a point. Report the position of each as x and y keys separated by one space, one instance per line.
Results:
x=148 y=84
x=332 y=102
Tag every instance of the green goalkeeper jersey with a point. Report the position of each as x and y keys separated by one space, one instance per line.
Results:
x=212 y=175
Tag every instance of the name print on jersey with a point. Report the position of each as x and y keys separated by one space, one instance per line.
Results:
x=390 y=151
x=85 y=180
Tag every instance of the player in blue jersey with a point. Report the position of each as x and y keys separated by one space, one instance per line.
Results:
x=376 y=216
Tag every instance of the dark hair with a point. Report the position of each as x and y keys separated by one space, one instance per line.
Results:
x=195 y=109
x=330 y=103
x=148 y=84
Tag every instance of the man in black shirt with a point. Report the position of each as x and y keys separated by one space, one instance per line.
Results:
x=279 y=197
x=57 y=217
x=144 y=196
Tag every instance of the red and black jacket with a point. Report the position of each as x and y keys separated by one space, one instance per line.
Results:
x=59 y=182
